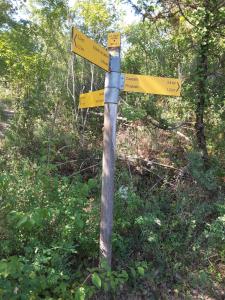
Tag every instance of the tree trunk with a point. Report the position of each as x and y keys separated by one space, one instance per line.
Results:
x=200 y=107
x=202 y=95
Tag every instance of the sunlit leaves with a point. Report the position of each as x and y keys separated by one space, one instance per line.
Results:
x=96 y=280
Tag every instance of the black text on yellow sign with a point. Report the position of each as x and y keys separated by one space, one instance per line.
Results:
x=92 y=99
x=152 y=85
x=87 y=48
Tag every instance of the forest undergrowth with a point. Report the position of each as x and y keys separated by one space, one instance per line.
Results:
x=169 y=212
x=168 y=235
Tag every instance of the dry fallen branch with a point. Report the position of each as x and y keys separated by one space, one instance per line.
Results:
x=82 y=170
x=133 y=159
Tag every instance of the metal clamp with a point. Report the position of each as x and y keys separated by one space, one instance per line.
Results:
x=122 y=81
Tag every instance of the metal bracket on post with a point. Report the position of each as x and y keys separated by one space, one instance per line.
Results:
x=122 y=81
x=111 y=96
x=112 y=84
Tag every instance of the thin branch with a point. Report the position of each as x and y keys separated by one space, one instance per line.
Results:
x=183 y=15
x=66 y=146
x=76 y=173
x=165 y=127
x=86 y=279
x=183 y=136
x=102 y=115
x=66 y=162
x=147 y=162
x=157 y=182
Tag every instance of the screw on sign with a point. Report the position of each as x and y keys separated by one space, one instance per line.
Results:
x=109 y=60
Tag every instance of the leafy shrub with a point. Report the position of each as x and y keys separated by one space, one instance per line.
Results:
x=49 y=233
x=207 y=178
x=50 y=224
x=22 y=279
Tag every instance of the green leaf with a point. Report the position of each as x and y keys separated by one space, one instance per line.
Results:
x=105 y=287
x=124 y=275
x=21 y=222
x=4 y=270
x=133 y=272
x=141 y=271
x=80 y=294
x=96 y=280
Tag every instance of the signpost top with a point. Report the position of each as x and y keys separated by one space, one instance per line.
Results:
x=114 y=40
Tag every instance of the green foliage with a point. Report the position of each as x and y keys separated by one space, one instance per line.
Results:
x=80 y=294
x=96 y=16
x=214 y=232
x=132 y=114
x=107 y=280
x=207 y=178
x=169 y=230
x=169 y=225
x=154 y=231
x=21 y=279
x=47 y=221
x=96 y=280
x=6 y=10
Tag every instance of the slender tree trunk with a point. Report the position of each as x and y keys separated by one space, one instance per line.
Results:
x=202 y=95
x=200 y=107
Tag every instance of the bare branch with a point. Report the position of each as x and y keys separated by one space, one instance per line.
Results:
x=183 y=15
x=157 y=124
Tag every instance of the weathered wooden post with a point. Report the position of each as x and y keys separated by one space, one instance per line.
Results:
x=111 y=98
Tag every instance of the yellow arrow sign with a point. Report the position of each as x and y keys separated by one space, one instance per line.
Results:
x=90 y=50
x=152 y=85
x=92 y=99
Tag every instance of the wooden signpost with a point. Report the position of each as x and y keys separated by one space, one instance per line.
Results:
x=112 y=90
x=114 y=82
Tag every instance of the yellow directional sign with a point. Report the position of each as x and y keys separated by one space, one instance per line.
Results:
x=113 y=39
x=89 y=49
x=152 y=85
x=92 y=99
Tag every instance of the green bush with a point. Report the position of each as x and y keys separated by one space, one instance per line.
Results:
x=49 y=227
x=206 y=178
x=49 y=233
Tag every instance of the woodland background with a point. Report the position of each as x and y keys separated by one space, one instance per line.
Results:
x=169 y=214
